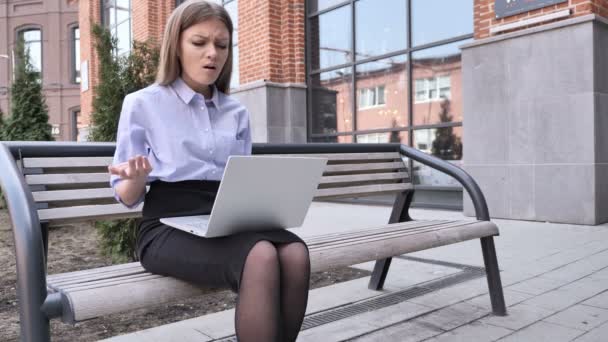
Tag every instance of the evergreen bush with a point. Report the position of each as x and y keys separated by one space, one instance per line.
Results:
x=118 y=76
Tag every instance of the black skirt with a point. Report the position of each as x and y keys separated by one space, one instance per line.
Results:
x=209 y=262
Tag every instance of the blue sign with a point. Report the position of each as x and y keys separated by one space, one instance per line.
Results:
x=505 y=8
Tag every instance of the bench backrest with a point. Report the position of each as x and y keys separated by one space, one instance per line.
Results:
x=77 y=188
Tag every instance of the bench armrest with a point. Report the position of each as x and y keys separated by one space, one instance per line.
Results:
x=479 y=201
x=29 y=249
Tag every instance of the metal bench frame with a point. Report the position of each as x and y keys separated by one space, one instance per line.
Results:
x=37 y=305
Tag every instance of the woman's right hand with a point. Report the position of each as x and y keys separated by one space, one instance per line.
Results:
x=135 y=169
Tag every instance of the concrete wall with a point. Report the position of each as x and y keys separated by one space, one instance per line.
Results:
x=536 y=109
x=278 y=111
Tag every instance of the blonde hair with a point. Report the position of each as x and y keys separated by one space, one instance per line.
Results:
x=185 y=15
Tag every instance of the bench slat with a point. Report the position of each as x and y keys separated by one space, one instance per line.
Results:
x=364 y=177
x=362 y=190
x=72 y=195
x=105 y=295
x=317 y=239
x=386 y=235
x=105 y=161
x=92 y=271
x=88 y=212
x=364 y=167
x=349 y=156
x=68 y=178
x=67 y=162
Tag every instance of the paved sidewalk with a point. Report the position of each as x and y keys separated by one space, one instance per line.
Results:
x=555 y=279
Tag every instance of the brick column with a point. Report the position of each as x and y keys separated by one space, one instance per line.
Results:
x=272 y=68
x=148 y=18
x=89 y=12
x=271 y=41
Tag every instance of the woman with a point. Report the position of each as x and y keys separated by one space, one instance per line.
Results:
x=177 y=135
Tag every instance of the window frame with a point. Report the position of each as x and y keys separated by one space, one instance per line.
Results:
x=19 y=34
x=74 y=72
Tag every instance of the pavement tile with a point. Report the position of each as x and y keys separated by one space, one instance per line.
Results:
x=454 y=316
x=404 y=332
x=596 y=335
x=511 y=298
x=568 y=295
x=519 y=316
x=543 y=332
x=581 y=317
x=475 y=331
x=600 y=301
x=537 y=285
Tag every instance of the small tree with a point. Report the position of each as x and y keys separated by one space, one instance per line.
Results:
x=109 y=92
x=446 y=144
x=118 y=76
x=29 y=118
x=1 y=125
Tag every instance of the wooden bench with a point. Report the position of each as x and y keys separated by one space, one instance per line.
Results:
x=50 y=183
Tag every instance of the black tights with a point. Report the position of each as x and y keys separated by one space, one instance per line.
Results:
x=273 y=293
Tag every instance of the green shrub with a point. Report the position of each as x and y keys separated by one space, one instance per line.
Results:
x=118 y=76
x=29 y=119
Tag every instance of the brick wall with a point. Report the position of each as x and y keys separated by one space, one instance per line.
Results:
x=149 y=18
x=271 y=41
x=88 y=11
x=484 y=15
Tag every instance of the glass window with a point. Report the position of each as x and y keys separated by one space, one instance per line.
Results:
x=32 y=42
x=332 y=102
x=437 y=74
x=319 y=5
x=75 y=55
x=382 y=93
x=383 y=137
x=445 y=143
x=377 y=37
x=117 y=18
x=434 y=20
x=331 y=38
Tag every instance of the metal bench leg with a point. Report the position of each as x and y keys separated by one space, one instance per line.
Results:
x=379 y=274
x=399 y=214
x=493 y=275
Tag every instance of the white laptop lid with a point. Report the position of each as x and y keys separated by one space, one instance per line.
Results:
x=264 y=193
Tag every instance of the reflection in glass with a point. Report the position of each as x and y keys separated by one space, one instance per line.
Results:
x=331 y=102
x=380 y=29
x=32 y=43
x=383 y=137
x=437 y=92
x=444 y=142
x=333 y=139
x=382 y=94
x=434 y=20
x=331 y=35
x=319 y=5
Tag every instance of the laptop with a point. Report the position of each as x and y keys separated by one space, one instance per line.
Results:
x=258 y=193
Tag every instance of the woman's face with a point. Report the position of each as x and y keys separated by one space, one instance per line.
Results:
x=203 y=50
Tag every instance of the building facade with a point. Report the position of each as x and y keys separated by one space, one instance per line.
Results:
x=514 y=91
x=50 y=30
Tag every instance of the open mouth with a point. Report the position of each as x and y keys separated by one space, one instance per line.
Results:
x=209 y=67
